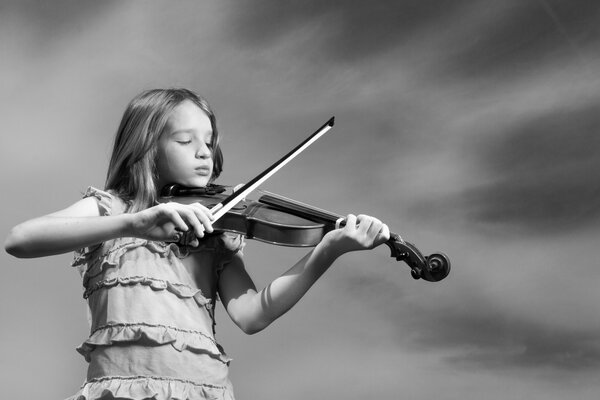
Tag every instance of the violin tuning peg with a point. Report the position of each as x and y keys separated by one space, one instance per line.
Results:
x=415 y=274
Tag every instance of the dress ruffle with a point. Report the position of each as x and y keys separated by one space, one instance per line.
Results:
x=122 y=279
x=96 y=265
x=180 y=339
x=139 y=388
x=111 y=259
x=229 y=242
x=104 y=199
x=179 y=289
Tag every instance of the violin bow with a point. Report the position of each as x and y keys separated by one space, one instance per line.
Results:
x=228 y=203
x=432 y=268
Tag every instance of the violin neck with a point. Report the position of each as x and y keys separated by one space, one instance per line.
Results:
x=307 y=211
x=400 y=250
x=432 y=268
x=298 y=208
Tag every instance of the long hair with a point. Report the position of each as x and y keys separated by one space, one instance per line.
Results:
x=132 y=172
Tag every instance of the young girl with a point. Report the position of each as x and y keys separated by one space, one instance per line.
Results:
x=152 y=301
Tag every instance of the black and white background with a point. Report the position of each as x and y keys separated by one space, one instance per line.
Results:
x=470 y=127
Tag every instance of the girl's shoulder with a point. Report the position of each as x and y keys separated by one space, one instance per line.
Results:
x=109 y=203
x=94 y=202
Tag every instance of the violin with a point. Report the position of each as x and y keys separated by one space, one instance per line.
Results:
x=278 y=220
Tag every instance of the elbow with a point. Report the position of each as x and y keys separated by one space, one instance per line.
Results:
x=12 y=245
x=15 y=244
x=250 y=331
x=248 y=314
x=11 y=249
x=254 y=330
x=253 y=327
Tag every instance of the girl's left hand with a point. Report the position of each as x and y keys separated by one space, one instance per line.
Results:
x=361 y=232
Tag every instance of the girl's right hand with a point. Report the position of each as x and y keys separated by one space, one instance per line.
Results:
x=169 y=221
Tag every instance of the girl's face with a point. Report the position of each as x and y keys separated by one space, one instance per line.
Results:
x=184 y=153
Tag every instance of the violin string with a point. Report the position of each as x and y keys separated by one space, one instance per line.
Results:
x=333 y=216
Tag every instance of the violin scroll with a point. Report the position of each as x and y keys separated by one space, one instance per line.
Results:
x=432 y=268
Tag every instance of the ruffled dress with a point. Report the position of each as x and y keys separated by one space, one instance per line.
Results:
x=152 y=329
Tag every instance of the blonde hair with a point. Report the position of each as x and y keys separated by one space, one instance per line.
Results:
x=132 y=173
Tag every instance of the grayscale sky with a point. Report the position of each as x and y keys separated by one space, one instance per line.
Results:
x=469 y=127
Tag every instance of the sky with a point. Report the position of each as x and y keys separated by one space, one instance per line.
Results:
x=469 y=127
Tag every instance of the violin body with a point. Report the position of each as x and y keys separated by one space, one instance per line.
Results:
x=281 y=221
x=252 y=219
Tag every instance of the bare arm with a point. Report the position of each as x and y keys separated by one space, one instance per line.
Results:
x=253 y=311
x=81 y=225
x=77 y=226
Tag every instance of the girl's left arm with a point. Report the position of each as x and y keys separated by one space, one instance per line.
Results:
x=253 y=311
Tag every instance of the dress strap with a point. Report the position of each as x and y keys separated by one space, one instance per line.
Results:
x=105 y=206
x=105 y=199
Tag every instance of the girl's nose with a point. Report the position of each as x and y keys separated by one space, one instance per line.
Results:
x=203 y=151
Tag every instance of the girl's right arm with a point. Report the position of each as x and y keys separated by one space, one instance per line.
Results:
x=81 y=225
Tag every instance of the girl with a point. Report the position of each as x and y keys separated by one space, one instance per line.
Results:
x=152 y=301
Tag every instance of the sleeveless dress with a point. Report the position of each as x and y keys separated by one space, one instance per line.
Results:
x=152 y=329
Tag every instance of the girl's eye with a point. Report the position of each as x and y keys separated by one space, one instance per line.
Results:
x=209 y=145
x=184 y=141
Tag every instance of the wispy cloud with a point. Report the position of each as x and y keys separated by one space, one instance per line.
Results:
x=484 y=337
x=349 y=33
x=472 y=329
x=470 y=126
x=544 y=173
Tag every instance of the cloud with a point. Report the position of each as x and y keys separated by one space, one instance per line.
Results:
x=48 y=22
x=481 y=106
x=466 y=38
x=351 y=30
x=514 y=37
x=542 y=173
x=472 y=329
x=496 y=340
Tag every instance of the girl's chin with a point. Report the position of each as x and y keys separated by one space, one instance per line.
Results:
x=196 y=182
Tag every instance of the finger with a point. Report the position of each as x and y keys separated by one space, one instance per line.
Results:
x=188 y=214
x=204 y=209
x=375 y=227
x=350 y=222
x=176 y=220
x=364 y=224
x=204 y=216
x=191 y=240
x=384 y=234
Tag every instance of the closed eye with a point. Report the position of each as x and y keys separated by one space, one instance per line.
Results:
x=184 y=141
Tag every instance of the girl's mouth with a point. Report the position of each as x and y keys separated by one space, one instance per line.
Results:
x=203 y=171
